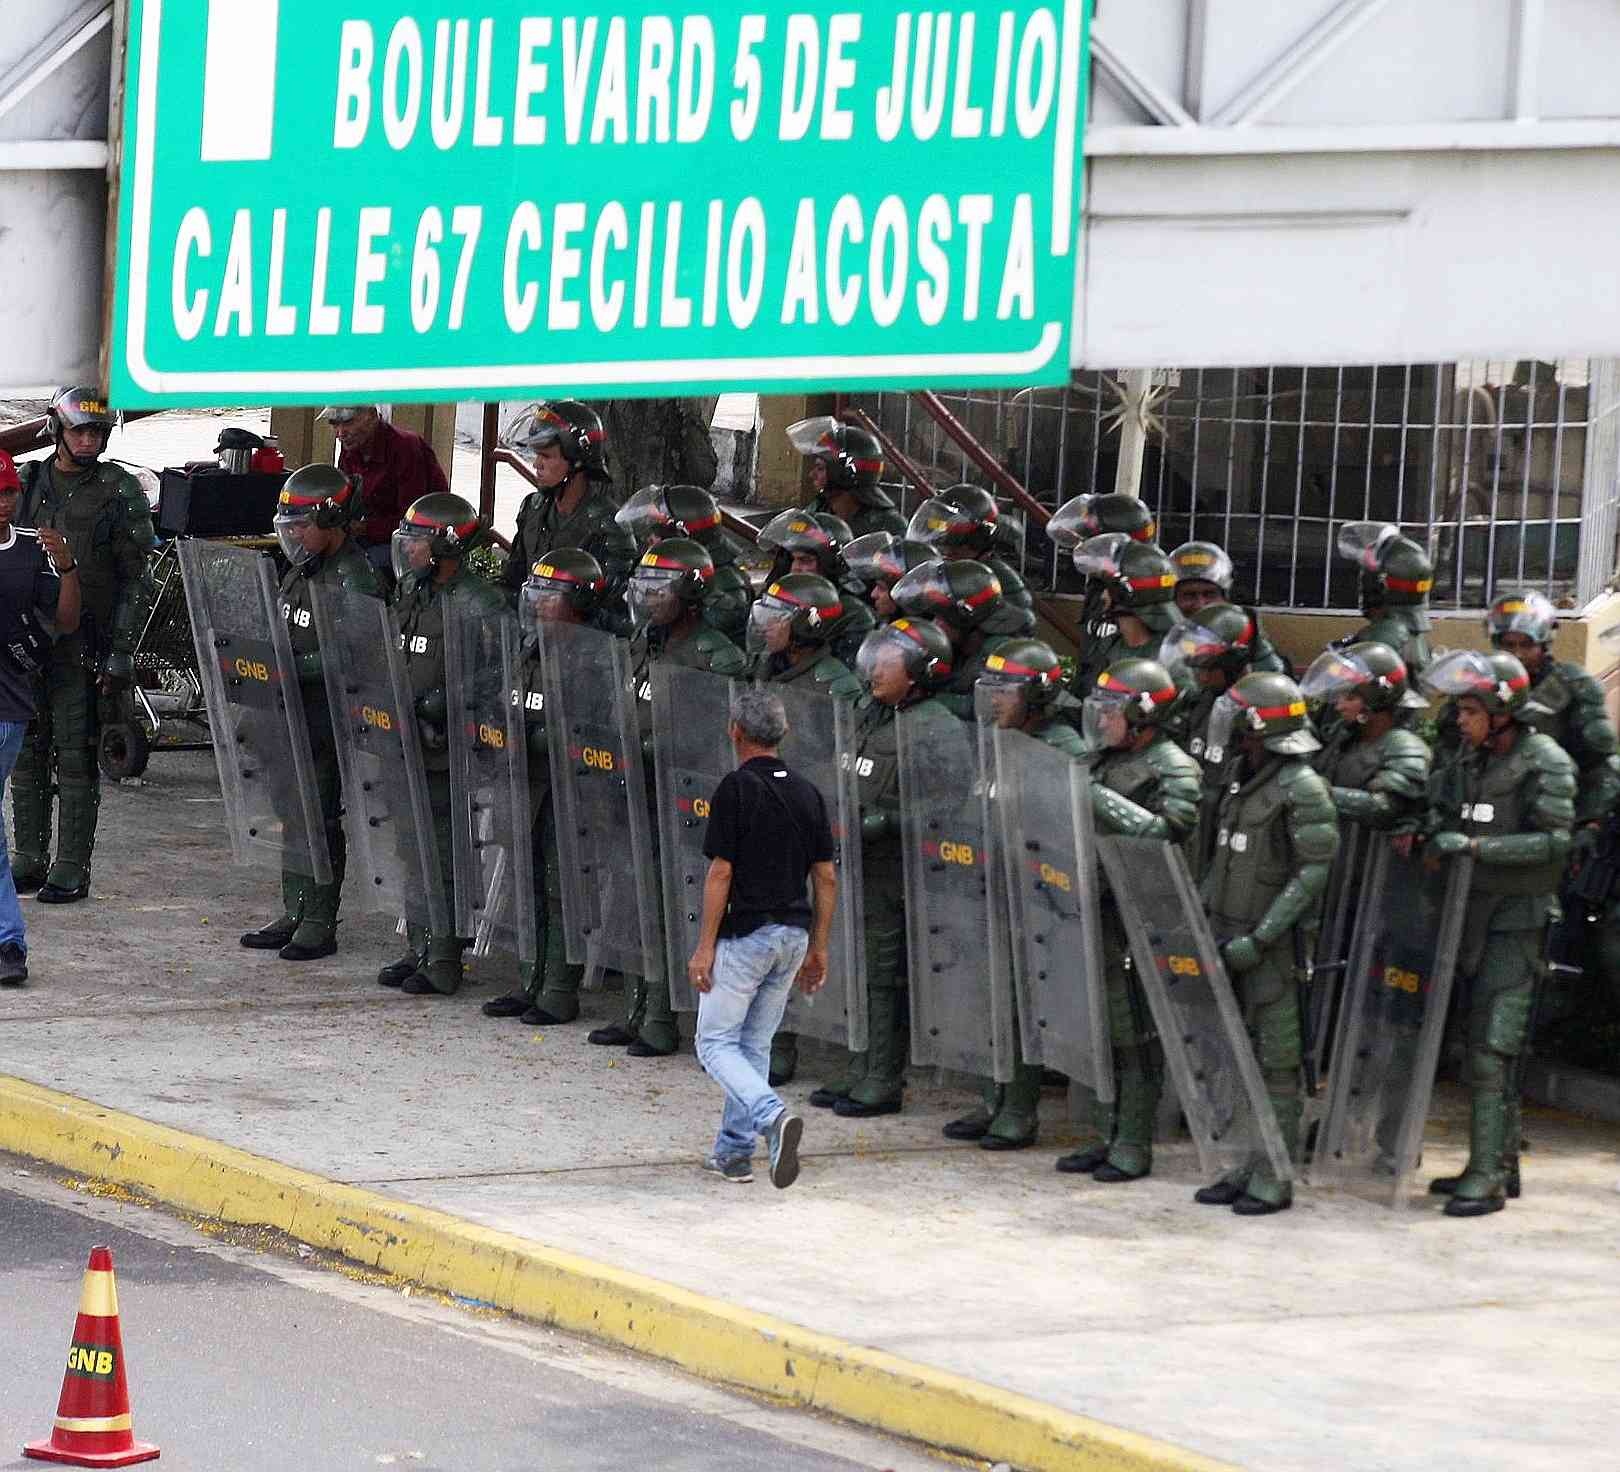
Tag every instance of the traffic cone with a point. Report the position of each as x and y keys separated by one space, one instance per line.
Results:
x=93 y=1425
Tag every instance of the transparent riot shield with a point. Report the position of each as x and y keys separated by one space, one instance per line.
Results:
x=598 y=786
x=387 y=812
x=489 y=783
x=255 y=710
x=1330 y=961
x=1043 y=802
x=956 y=944
x=1206 y=1046
x=1387 y=1047
x=691 y=754
x=820 y=746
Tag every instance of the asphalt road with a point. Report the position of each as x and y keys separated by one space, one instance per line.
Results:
x=242 y=1360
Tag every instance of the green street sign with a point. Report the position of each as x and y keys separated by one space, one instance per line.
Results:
x=324 y=202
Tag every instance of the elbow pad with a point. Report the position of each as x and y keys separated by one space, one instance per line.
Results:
x=1299 y=898
x=1119 y=815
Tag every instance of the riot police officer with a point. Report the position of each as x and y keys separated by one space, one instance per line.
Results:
x=566 y=586
x=430 y=550
x=1507 y=799
x=1209 y=654
x=900 y=664
x=572 y=508
x=878 y=561
x=666 y=598
x=102 y=511
x=1130 y=585
x=1276 y=837
x=846 y=466
x=1396 y=579
x=1143 y=786
x=964 y=598
x=657 y=512
x=1020 y=688
x=964 y=522
x=314 y=515
x=1376 y=766
x=814 y=542
x=1204 y=576
x=788 y=630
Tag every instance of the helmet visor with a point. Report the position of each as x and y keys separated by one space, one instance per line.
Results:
x=645 y=517
x=1363 y=542
x=1103 y=719
x=770 y=626
x=294 y=531
x=544 y=602
x=1224 y=723
x=878 y=557
x=532 y=429
x=1068 y=527
x=81 y=411
x=1192 y=645
x=1099 y=557
x=1334 y=673
x=652 y=598
x=412 y=549
x=883 y=653
x=925 y=591
x=814 y=436
x=937 y=523
x=795 y=531
x=1465 y=672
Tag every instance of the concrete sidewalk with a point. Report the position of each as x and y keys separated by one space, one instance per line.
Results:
x=1334 y=1335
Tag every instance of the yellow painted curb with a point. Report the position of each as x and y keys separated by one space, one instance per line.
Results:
x=702 y=1335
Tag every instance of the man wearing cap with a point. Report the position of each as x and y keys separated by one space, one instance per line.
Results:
x=39 y=597
x=395 y=467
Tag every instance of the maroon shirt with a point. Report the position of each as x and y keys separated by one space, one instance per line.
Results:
x=395 y=469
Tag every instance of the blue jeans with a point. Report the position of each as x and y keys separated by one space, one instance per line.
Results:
x=11 y=920
x=737 y=1018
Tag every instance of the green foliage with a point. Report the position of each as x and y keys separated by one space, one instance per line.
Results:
x=488 y=561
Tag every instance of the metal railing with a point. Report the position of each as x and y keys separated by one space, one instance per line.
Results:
x=1508 y=472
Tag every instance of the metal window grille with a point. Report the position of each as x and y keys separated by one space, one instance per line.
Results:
x=1508 y=472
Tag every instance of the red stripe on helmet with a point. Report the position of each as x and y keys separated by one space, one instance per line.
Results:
x=1164 y=580
x=1409 y=585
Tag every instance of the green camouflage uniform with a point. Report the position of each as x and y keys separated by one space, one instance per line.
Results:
x=102 y=512
x=730 y=594
x=1152 y=793
x=590 y=527
x=1381 y=784
x=419 y=604
x=866 y=518
x=1276 y=837
x=315 y=906
x=1405 y=630
x=1519 y=807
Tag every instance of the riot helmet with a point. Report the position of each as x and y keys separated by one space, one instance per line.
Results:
x=883 y=558
x=671 y=579
x=1138 y=577
x=575 y=428
x=656 y=512
x=442 y=527
x=919 y=646
x=565 y=578
x=851 y=457
x=1395 y=570
x=1128 y=695
x=801 y=608
x=1266 y=705
x=1370 y=672
x=80 y=408
x=1022 y=677
x=1220 y=638
x=1529 y=615
x=963 y=594
x=1497 y=680
x=313 y=498
x=959 y=522
x=1204 y=576
x=1084 y=517
x=816 y=535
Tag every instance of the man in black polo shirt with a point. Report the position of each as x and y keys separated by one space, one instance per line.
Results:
x=770 y=849
x=39 y=600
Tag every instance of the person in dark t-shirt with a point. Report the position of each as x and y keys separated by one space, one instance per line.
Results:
x=767 y=912
x=39 y=601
